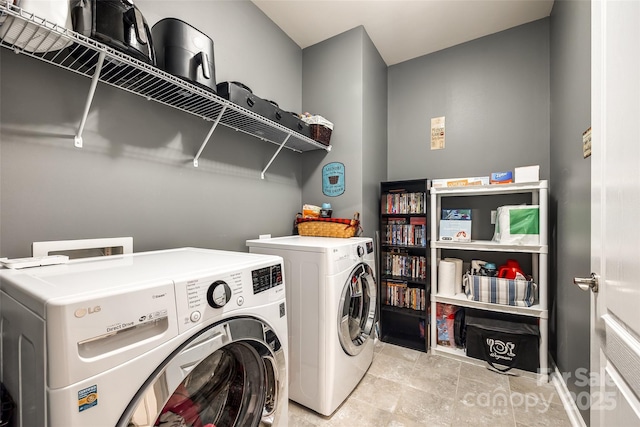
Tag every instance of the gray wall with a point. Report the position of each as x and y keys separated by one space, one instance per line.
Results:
x=134 y=176
x=374 y=134
x=344 y=78
x=494 y=94
x=570 y=178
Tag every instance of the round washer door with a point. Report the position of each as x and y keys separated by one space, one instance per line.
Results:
x=357 y=309
x=231 y=374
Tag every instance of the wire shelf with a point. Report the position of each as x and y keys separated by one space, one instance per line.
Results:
x=27 y=34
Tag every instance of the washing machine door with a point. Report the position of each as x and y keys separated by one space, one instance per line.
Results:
x=357 y=309
x=231 y=374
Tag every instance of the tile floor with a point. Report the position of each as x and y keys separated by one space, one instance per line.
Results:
x=407 y=388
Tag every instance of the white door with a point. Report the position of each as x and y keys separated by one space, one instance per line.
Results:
x=615 y=221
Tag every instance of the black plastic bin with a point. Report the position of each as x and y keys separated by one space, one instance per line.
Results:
x=240 y=94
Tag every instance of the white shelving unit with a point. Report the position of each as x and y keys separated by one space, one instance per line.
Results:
x=539 y=262
x=101 y=63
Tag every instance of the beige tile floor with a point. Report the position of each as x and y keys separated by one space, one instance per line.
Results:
x=407 y=388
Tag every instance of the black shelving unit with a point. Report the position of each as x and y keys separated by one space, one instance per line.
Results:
x=405 y=268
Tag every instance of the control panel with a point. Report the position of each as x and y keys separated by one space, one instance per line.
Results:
x=266 y=278
x=202 y=298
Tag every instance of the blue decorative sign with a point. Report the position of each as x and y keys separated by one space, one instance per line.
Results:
x=333 y=179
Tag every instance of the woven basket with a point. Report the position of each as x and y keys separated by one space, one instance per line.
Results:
x=328 y=227
x=320 y=127
x=320 y=133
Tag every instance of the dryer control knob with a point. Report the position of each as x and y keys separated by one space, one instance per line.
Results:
x=218 y=294
x=360 y=251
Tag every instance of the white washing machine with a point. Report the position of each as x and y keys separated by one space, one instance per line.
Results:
x=331 y=296
x=182 y=337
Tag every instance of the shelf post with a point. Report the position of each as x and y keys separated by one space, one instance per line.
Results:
x=275 y=155
x=434 y=253
x=77 y=139
x=206 y=139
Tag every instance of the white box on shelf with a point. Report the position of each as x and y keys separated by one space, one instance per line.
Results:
x=455 y=225
x=455 y=230
x=460 y=182
x=527 y=174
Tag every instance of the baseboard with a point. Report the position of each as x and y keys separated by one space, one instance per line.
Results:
x=565 y=396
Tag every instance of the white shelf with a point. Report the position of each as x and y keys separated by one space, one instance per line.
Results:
x=453 y=351
x=461 y=300
x=489 y=246
x=484 y=190
x=538 y=253
x=104 y=64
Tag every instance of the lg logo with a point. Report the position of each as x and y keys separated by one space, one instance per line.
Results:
x=81 y=312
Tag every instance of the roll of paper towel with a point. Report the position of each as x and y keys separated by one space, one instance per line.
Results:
x=458 y=277
x=446 y=277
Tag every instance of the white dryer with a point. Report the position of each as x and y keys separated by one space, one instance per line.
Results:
x=331 y=296
x=185 y=336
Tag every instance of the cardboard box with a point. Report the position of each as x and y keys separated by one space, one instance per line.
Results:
x=460 y=182
x=455 y=225
x=527 y=174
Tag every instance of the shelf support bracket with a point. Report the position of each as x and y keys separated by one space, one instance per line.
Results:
x=77 y=139
x=206 y=139
x=275 y=155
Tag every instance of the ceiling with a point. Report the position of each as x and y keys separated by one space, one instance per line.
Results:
x=401 y=29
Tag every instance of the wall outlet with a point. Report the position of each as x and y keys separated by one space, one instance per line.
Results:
x=493 y=216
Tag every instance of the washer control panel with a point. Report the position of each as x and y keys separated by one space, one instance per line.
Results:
x=204 y=297
x=266 y=278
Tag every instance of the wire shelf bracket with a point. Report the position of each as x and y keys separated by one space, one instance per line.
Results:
x=275 y=155
x=77 y=139
x=206 y=139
